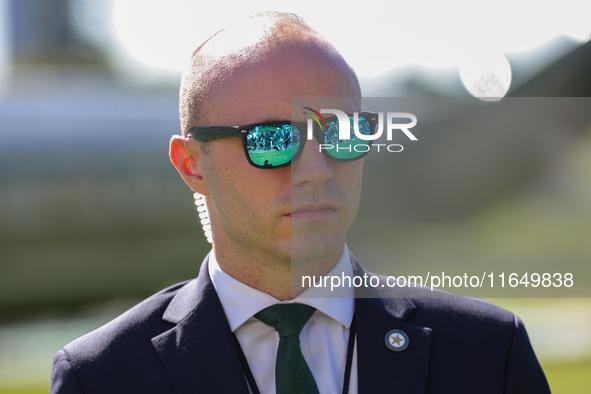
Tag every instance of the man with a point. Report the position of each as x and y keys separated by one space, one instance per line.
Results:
x=215 y=334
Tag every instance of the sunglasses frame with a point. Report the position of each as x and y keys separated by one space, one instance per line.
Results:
x=210 y=133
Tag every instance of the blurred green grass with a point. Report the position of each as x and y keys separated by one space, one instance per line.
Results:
x=571 y=378
x=24 y=390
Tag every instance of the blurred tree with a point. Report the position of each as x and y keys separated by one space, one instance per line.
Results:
x=567 y=77
x=42 y=31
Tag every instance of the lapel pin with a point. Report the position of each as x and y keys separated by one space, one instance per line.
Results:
x=396 y=340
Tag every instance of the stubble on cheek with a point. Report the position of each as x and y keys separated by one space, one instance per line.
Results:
x=254 y=223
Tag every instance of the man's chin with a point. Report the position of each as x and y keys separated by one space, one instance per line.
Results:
x=316 y=248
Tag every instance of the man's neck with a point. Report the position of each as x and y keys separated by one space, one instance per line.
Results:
x=274 y=276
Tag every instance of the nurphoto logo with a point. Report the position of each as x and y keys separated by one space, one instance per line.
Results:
x=365 y=127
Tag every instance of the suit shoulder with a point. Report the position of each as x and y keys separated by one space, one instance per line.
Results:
x=436 y=305
x=129 y=332
x=464 y=310
x=428 y=305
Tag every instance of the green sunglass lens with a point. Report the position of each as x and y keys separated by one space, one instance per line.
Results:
x=271 y=145
x=346 y=149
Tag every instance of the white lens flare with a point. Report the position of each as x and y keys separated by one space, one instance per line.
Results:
x=487 y=75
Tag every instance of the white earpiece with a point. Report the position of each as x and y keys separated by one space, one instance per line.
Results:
x=203 y=215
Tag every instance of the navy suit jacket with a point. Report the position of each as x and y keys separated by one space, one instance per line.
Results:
x=179 y=341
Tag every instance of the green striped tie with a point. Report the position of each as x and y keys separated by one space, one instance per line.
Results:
x=292 y=374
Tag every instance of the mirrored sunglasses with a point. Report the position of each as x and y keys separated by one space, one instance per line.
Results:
x=276 y=144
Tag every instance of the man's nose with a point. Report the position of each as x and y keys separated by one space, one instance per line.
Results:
x=312 y=166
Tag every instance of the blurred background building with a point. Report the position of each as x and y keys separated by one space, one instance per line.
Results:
x=93 y=217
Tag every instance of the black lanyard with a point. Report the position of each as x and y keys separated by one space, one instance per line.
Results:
x=351 y=345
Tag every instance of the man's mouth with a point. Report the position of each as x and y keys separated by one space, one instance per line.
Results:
x=313 y=211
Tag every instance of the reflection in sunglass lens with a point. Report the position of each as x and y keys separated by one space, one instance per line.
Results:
x=271 y=145
x=346 y=149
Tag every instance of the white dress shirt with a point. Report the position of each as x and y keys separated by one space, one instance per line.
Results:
x=324 y=339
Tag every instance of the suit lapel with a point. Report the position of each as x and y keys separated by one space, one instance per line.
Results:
x=199 y=353
x=378 y=367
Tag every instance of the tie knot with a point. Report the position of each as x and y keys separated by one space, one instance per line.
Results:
x=287 y=319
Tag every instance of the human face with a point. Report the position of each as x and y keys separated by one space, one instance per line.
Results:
x=301 y=212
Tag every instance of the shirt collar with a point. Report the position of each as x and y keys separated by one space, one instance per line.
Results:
x=241 y=302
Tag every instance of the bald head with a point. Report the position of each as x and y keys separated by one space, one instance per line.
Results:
x=254 y=43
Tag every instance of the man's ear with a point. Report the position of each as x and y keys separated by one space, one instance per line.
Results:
x=187 y=163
